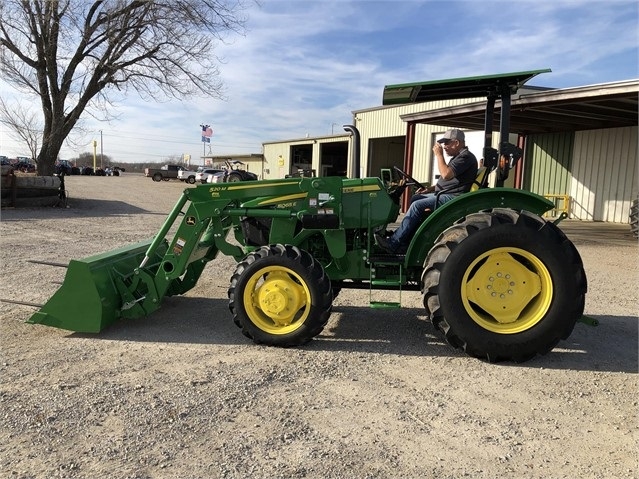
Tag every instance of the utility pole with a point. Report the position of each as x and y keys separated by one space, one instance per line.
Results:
x=95 y=144
x=101 y=150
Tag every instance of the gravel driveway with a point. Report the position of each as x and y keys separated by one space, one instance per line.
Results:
x=183 y=394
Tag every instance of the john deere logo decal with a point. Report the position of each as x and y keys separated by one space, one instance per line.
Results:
x=190 y=220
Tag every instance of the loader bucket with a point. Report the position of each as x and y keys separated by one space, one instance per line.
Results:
x=90 y=298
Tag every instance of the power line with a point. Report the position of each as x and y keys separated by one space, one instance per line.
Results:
x=165 y=139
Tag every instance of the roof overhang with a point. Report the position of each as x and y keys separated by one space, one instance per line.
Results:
x=456 y=88
x=610 y=105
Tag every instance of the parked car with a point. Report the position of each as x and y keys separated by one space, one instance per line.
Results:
x=219 y=177
x=166 y=173
x=63 y=167
x=24 y=166
x=202 y=175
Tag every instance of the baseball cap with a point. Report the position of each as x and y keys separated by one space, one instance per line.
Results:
x=453 y=134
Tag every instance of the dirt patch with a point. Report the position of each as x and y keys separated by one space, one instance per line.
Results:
x=183 y=393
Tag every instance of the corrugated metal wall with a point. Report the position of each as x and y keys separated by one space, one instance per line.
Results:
x=548 y=163
x=598 y=169
x=604 y=174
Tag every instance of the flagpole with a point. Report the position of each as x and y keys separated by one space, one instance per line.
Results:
x=205 y=137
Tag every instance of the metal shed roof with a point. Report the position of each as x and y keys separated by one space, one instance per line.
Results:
x=456 y=88
x=609 y=105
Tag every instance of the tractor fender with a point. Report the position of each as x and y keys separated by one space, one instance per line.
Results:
x=450 y=212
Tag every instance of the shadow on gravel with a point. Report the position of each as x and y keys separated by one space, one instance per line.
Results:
x=106 y=207
x=598 y=232
x=611 y=347
x=186 y=320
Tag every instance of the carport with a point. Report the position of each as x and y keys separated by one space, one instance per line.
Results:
x=590 y=107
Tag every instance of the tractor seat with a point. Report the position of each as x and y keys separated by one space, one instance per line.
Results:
x=481 y=180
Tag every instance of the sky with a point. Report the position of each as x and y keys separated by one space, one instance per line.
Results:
x=303 y=66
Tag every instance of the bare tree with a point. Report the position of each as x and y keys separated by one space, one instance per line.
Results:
x=23 y=125
x=175 y=159
x=76 y=55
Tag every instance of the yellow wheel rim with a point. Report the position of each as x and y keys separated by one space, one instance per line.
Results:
x=277 y=300
x=507 y=290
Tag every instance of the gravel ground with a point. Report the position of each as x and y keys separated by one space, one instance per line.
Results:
x=183 y=394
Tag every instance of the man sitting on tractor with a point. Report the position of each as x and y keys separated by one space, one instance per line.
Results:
x=456 y=178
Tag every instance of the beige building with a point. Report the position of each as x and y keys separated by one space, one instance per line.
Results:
x=320 y=156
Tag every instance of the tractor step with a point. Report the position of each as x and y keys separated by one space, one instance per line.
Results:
x=387 y=259
x=385 y=305
x=385 y=282
x=386 y=262
x=587 y=320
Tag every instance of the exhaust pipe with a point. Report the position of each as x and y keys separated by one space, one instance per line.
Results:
x=356 y=148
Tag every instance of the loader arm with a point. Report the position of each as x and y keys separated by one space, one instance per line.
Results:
x=132 y=281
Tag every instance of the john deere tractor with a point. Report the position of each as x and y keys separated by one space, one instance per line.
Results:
x=498 y=280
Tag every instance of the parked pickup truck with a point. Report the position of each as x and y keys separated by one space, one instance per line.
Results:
x=167 y=172
x=187 y=175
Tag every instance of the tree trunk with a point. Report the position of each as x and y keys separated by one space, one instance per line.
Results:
x=48 y=156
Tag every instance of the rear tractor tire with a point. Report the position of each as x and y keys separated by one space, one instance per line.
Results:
x=280 y=296
x=504 y=285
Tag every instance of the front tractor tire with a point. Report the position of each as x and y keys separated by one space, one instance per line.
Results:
x=504 y=285
x=280 y=296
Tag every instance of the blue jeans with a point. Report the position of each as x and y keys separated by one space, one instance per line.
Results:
x=414 y=216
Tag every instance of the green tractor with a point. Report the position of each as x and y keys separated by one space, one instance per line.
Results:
x=499 y=281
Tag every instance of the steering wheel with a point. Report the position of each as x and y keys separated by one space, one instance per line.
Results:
x=410 y=179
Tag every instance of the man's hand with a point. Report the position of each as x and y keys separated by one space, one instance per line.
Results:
x=445 y=172
x=422 y=191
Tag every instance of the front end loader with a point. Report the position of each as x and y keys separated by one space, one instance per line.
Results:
x=497 y=280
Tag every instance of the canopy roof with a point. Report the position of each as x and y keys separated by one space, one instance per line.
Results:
x=456 y=88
